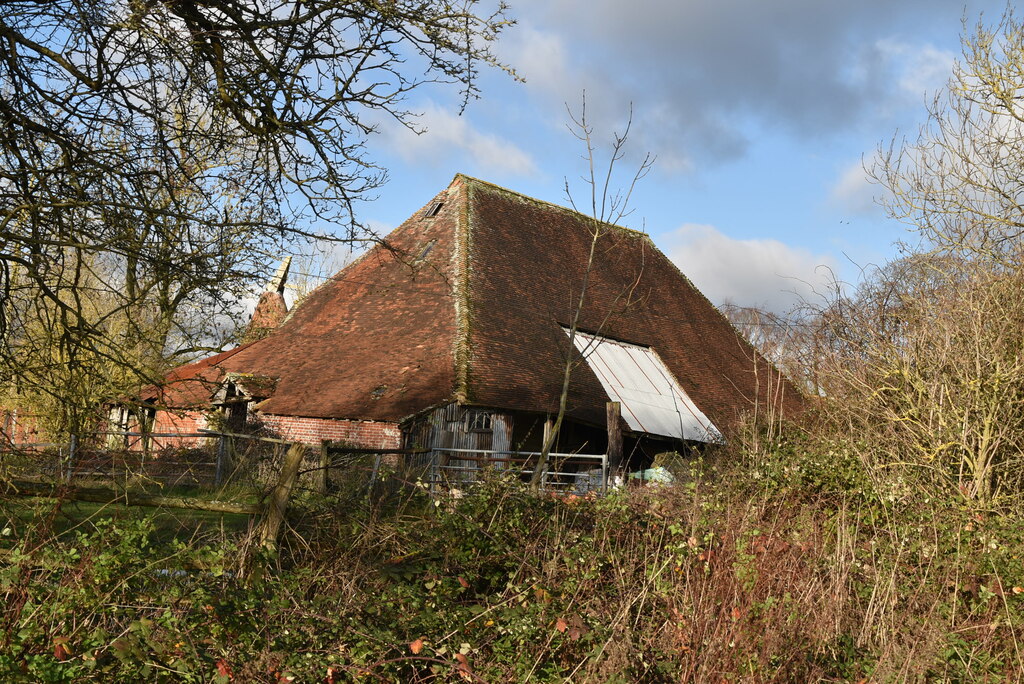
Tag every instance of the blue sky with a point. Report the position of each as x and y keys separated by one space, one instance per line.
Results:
x=759 y=112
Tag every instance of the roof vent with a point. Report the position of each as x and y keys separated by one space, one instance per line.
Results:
x=432 y=210
x=425 y=251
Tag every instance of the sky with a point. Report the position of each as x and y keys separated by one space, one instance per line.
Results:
x=761 y=115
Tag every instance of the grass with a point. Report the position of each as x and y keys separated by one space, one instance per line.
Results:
x=71 y=517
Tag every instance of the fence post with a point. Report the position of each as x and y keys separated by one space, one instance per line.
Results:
x=278 y=503
x=222 y=458
x=72 y=451
x=613 y=415
x=542 y=463
x=320 y=477
x=373 y=473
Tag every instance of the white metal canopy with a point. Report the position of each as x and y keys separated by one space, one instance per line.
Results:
x=651 y=399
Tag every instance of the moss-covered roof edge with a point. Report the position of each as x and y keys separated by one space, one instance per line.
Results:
x=462 y=351
x=470 y=180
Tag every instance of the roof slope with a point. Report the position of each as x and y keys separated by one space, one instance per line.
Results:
x=191 y=385
x=528 y=262
x=470 y=304
x=376 y=340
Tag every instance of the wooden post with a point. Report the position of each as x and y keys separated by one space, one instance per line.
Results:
x=374 y=472
x=274 y=516
x=320 y=482
x=126 y=425
x=145 y=429
x=222 y=460
x=614 y=412
x=549 y=425
x=72 y=452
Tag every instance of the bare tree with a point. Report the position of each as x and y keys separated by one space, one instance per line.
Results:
x=960 y=183
x=923 y=374
x=922 y=364
x=788 y=341
x=172 y=147
x=607 y=207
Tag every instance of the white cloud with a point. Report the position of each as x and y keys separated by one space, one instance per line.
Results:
x=706 y=76
x=763 y=273
x=921 y=70
x=853 y=191
x=540 y=58
x=443 y=131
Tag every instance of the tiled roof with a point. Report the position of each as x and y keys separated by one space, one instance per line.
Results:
x=528 y=261
x=270 y=311
x=376 y=341
x=470 y=305
x=191 y=385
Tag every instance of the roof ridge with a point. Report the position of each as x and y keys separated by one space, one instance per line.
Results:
x=462 y=344
x=501 y=188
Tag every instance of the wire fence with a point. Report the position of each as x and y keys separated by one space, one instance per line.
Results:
x=209 y=460
x=204 y=459
x=445 y=468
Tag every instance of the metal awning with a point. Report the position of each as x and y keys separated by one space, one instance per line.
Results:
x=651 y=399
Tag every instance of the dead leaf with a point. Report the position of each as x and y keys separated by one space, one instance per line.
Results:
x=222 y=669
x=561 y=625
x=463 y=582
x=416 y=646
x=60 y=648
x=736 y=613
x=464 y=670
x=577 y=627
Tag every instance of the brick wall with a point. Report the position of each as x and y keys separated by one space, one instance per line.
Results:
x=368 y=433
x=187 y=422
x=18 y=427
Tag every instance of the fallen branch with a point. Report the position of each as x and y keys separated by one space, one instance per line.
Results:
x=123 y=497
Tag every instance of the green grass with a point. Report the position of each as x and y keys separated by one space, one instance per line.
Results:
x=70 y=517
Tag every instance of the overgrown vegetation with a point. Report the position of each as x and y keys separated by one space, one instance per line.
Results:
x=794 y=563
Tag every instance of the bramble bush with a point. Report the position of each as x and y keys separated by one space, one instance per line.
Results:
x=789 y=564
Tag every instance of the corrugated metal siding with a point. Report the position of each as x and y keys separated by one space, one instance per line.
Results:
x=451 y=427
x=651 y=398
x=501 y=436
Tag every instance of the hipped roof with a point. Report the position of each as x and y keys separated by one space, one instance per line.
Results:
x=469 y=305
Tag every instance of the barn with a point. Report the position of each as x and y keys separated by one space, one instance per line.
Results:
x=454 y=334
